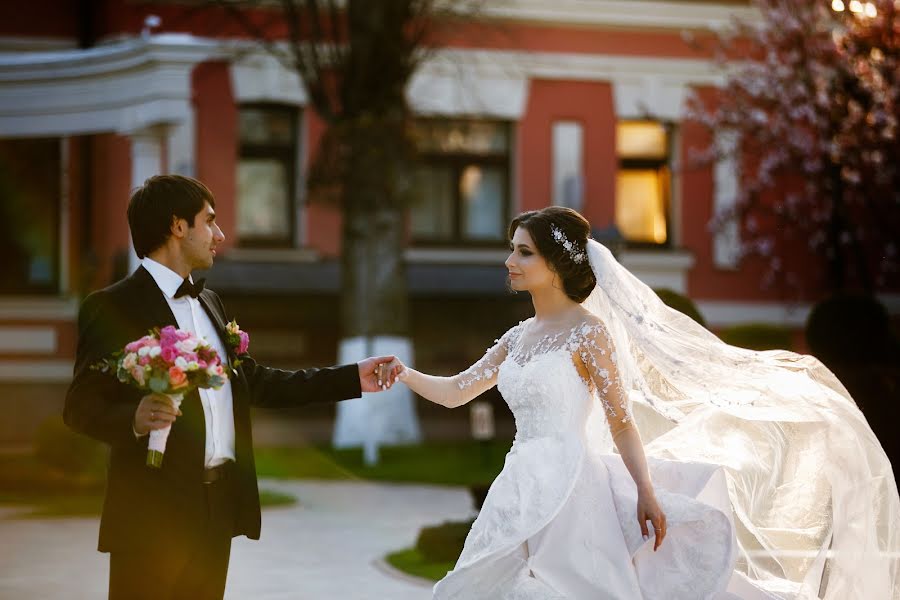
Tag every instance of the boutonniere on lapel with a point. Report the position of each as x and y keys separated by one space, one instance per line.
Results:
x=238 y=340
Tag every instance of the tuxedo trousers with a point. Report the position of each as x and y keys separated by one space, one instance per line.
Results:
x=193 y=565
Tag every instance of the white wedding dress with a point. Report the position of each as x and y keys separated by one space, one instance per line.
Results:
x=560 y=519
x=772 y=481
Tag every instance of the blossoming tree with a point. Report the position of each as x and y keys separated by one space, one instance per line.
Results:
x=811 y=106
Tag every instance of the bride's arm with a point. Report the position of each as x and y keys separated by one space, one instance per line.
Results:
x=599 y=357
x=461 y=388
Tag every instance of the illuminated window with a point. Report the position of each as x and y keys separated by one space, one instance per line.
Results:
x=462 y=182
x=643 y=182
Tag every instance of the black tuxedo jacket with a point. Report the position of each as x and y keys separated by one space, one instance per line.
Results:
x=144 y=506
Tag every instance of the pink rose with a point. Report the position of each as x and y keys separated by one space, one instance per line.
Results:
x=169 y=354
x=138 y=374
x=244 y=344
x=144 y=361
x=133 y=346
x=177 y=378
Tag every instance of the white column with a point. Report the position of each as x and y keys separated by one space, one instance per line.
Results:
x=727 y=240
x=383 y=418
x=146 y=161
x=182 y=147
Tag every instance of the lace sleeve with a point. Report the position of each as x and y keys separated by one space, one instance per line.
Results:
x=463 y=387
x=483 y=374
x=599 y=357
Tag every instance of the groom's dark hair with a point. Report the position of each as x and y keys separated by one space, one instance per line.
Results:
x=154 y=205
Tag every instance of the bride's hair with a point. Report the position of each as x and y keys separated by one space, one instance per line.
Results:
x=566 y=253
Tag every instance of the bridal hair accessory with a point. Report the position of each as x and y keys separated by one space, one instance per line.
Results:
x=571 y=249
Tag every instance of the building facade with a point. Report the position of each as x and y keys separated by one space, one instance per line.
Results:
x=575 y=103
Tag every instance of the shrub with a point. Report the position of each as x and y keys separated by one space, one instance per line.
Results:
x=59 y=447
x=444 y=542
x=681 y=303
x=758 y=336
x=851 y=329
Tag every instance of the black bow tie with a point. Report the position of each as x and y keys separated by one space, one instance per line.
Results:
x=193 y=289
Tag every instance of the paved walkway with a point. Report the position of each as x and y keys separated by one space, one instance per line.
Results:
x=326 y=547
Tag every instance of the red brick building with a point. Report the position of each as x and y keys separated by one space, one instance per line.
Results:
x=566 y=102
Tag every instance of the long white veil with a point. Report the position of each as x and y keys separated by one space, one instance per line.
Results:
x=815 y=504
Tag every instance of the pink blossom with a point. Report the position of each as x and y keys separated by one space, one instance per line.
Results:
x=244 y=344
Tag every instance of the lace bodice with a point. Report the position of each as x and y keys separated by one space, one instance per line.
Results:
x=550 y=382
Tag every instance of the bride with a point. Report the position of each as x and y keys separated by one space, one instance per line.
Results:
x=757 y=474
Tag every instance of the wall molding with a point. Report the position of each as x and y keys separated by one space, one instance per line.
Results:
x=36 y=308
x=36 y=371
x=621 y=13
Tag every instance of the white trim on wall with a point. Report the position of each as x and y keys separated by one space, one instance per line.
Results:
x=36 y=371
x=120 y=87
x=495 y=82
x=37 y=308
x=28 y=340
x=723 y=313
x=659 y=268
x=260 y=77
x=620 y=13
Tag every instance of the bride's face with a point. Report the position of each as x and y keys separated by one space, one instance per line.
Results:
x=528 y=271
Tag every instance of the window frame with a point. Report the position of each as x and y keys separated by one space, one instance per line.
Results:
x=288 y=156
x=659 y=165
x=458 y=161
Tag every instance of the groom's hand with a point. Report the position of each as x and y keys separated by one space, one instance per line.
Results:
x=373 y=373
x=155 y=411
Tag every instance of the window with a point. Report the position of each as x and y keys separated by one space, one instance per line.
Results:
x=267 y=176
x=462 y=182
x=568 y=156
x=643 y=182
x=30 y=188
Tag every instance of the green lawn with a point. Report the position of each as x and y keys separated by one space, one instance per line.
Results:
x=446 y=463
x=46 y=492
x=412 y=562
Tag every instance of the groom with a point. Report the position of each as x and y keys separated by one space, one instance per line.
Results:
x=168 y=531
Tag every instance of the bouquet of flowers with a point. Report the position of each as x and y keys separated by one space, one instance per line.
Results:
x=169 y=361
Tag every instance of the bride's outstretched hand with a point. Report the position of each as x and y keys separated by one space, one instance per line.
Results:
x=395 y=370
x=648 y=510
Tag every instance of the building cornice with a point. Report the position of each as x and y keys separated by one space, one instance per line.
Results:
x=621 y=13
x=119 y=87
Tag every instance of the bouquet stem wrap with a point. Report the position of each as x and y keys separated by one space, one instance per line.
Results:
x=157 y=445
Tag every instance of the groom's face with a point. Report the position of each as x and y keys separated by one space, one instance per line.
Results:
x=200 y=241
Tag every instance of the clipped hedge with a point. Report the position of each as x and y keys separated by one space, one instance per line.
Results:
x=681 y=303
x=444 y=542
x=758 y=336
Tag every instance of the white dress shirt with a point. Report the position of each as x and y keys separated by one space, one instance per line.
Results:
x=217 y=404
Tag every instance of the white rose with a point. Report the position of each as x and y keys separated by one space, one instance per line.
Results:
x=181 y=363
x=155 y=351
x=188 y=345
x=130 y=360
x=144 y=351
